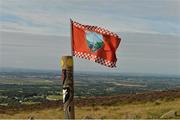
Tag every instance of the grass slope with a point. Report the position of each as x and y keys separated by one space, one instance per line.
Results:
x=133 y=110
x=127 y=106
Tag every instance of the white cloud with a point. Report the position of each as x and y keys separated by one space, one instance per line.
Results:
x=157 y=51
x=52 y=17
x=149 y=53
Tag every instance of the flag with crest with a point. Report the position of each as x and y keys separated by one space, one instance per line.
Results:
x=94 y=43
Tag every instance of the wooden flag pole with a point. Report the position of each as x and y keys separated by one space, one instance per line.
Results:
x=68 y=87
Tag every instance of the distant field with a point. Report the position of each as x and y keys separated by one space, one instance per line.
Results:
x=26 y=82
x=54 y=97
x=39 y=95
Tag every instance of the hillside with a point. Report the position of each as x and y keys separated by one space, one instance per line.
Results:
x=144 y=105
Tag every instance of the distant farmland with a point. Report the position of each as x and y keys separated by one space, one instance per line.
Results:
x=18 y=88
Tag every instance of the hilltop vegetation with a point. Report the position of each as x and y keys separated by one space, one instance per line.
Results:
x=151 y=105
x=39 y=95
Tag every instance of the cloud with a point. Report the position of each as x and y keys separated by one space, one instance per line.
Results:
x=149 y=30
x=52 y=17
x=149 y=53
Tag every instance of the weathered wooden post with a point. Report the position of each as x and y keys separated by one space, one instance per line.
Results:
x=68 y=87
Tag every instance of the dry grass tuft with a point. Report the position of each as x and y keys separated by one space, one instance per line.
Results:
x=127 y=111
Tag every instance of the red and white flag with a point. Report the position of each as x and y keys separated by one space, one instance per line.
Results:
x=95 y=44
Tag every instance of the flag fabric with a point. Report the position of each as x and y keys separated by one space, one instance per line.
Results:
x=95 y=44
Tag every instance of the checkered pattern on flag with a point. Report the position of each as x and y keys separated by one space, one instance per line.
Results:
x=95 y=44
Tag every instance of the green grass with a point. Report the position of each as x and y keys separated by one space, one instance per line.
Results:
x=54 y=97
x=29 y=103
x=27 y=82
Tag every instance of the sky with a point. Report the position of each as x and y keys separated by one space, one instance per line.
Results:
x=34 y=34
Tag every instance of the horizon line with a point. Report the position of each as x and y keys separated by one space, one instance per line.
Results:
x=7 y=69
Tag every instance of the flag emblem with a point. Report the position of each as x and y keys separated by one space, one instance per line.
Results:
x=94 y=43
x=94 y=40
